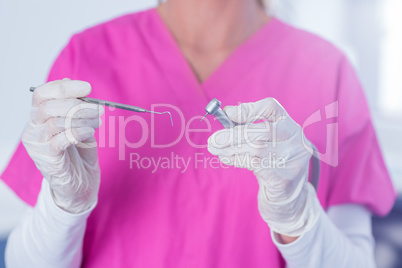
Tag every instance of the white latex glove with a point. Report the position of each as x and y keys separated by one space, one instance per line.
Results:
x=274 y=149
x=60 y=140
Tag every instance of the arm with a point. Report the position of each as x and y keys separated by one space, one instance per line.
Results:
x=287 y=202
x=47 y=236
x=340 y=238
x=60 y=140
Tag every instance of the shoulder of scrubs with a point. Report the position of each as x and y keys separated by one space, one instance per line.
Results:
x=341 y=238
x=337 y=120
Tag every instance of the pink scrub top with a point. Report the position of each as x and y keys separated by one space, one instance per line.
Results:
x=190 y=211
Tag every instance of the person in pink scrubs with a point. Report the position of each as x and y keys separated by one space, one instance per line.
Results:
x=152 y=195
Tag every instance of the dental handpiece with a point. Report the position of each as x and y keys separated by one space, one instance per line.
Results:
x=214 y=108
x=118 y=105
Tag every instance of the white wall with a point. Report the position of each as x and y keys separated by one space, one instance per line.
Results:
x=33 y=32
x=31 y=35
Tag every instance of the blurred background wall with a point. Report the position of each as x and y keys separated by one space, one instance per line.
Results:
x=32 y=33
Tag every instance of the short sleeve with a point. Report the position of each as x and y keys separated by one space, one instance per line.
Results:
x=21 y=174
x=360 y=175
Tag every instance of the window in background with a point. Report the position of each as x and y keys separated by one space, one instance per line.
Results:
x=390 y=100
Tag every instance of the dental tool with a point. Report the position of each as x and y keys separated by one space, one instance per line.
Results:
x=214 y=108
x=118 y=105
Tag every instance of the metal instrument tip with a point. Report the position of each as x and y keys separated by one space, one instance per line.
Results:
x=166 y=112
x=204 y=117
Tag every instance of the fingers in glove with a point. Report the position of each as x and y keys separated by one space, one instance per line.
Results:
x=262 y=160
x=70 y=108
x=268 y=109
x=56 y=125
x=243 y=148
x=253 y=134
x=60 y=89
x=63 y=140
x=241 y=161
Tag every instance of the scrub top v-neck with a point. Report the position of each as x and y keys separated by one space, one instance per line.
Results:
x=222 y=81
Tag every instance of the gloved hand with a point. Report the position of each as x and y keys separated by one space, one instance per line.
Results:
x=60 y=139
x=275 y=150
